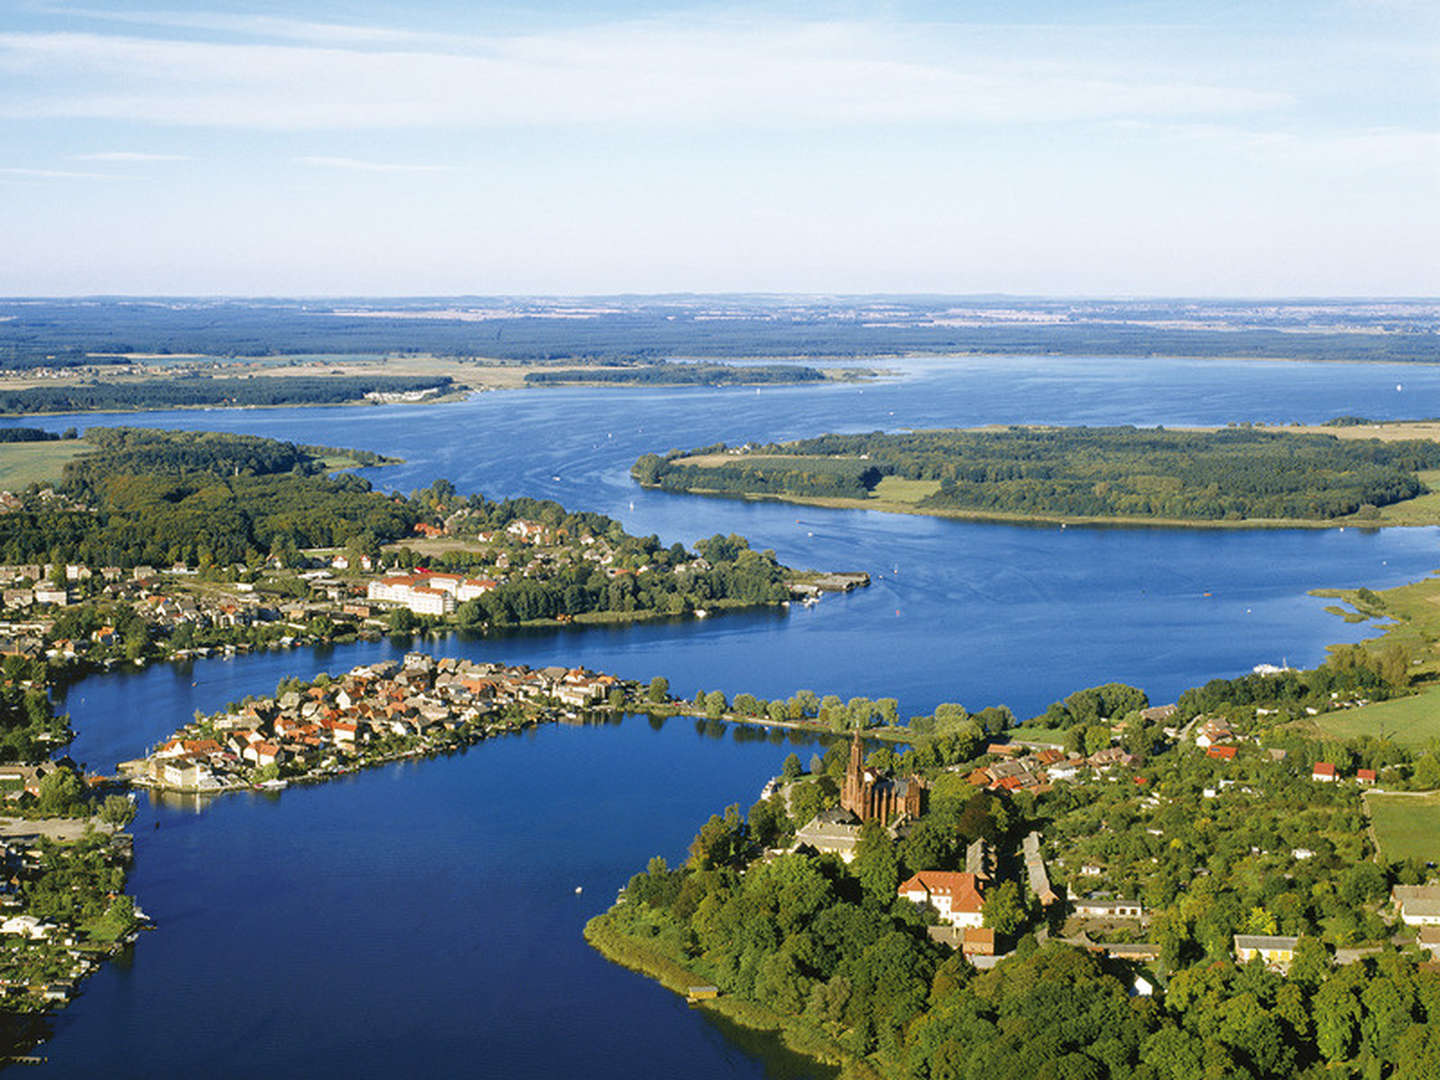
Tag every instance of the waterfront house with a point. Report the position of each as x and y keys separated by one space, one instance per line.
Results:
x=264 y=753
x=956 y=898
x=186 y=774
x=1276 y=952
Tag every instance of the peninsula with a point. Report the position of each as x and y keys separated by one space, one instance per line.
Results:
x=371 y=715
x=1115 y=888
x=1237 y=476
x=158 y=544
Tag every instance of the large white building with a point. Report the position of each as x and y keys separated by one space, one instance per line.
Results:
x=419 y=594
x=956 y=898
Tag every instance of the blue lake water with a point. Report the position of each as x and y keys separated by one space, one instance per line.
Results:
x=422 y=919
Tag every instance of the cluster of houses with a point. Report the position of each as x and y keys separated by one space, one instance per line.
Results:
x=335 y=726
x=1324 y=772
x=46 y=498
x=28 y=585
x=1022 y=768
x=1218 y=741
x=41 y=959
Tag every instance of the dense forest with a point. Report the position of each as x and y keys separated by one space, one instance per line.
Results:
x=27 y=434
x=50 y=333
x=1232 y=474
x=672 y=374
x=196 y=390
x=201 y=498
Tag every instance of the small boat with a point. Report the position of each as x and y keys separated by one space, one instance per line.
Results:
x=578 y=890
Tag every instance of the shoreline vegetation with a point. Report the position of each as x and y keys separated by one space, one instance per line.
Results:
x=1349 y=473
x=1275 y=903
x=801 y=943
x=135 y=384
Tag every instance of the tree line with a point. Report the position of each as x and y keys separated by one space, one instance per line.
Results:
x=668 y=373
x=198 y=390
x=1232 y=474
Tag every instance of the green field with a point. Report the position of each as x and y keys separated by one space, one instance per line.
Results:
x=897 y=489
x=1407 y=826
x=1421 y=510
x=23 y=464
x=1412 y=722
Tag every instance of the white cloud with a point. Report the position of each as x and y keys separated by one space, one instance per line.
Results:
x=129 y=155
x=52 y=174
x=271 y=26
x=642 y=74
x=356 y=165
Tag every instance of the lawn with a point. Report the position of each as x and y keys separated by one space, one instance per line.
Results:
x=1409 y=721
x=1407 y=826
x=23 y=464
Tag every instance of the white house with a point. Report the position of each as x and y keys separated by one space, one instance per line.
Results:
x=26 y=926
x=1110 y=909
x=1274 y=951
x=1419 y=905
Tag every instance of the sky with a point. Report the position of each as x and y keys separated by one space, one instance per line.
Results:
x=442 y=147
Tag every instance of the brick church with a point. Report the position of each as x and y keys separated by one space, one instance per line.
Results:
x=872 y=796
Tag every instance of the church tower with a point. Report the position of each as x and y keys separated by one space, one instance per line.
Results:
x=852 y=794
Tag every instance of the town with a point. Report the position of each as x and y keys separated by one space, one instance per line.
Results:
x=373 y=714
x=472 y=565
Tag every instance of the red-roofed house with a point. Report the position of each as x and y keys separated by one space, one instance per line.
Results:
x=1365 y=776
x=264 y=753
x=955 y=897
x=1224 y=753
x=1324 y=771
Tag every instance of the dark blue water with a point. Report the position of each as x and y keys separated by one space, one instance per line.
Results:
x=419 y=920
x=423 y=919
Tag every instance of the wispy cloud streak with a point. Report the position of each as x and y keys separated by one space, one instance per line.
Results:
x=632 y=75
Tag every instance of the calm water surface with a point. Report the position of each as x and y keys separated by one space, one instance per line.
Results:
x=422 y=919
